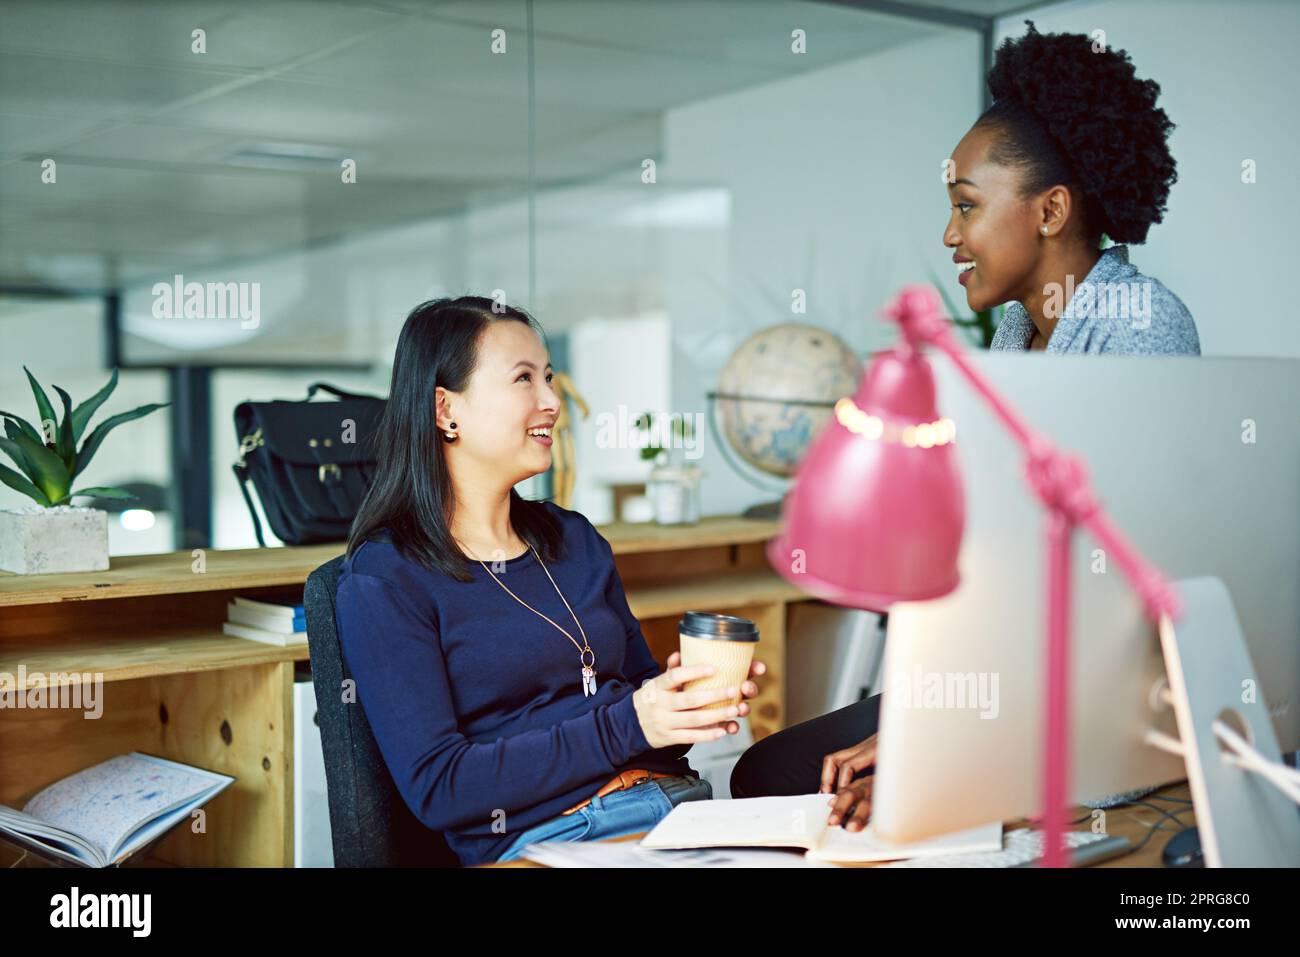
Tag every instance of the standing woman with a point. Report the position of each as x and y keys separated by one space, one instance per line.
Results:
x=508 y=685
x=1072 y=148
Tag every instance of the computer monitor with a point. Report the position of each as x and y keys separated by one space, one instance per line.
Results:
x=1197 y=461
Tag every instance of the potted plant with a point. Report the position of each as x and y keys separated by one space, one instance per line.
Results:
x=53 y=535
x=673 y=491
x=980 y=327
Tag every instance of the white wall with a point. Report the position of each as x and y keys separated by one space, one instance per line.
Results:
x=834 y=179
x=1228 y=80
x=618 y=361
x=826 y=181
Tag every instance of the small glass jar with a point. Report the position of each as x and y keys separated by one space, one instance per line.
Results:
x=674 y=493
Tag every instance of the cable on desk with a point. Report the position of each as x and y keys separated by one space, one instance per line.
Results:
x=1158 y=825
x=1182 y=826
x=1150 y=833
x=1165 y=797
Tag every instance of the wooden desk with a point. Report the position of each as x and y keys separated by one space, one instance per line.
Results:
x=173 y=685
x=1133 y=821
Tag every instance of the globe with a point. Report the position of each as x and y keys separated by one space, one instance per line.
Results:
x=777 y=391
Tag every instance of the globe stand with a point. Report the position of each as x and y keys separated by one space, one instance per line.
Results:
x=764 y=510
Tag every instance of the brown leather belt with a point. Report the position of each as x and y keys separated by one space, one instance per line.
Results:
x=621 y=781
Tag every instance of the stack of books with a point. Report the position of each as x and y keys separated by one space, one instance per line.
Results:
x=274 y=623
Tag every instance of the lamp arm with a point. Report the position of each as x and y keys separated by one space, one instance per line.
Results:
x=1061 y=483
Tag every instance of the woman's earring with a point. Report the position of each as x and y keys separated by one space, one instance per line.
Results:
x=450 y=436
x=1044 y=230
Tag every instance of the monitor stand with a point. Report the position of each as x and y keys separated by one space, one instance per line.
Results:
x=1243 y=819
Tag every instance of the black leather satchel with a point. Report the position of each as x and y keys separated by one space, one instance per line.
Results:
x=311 y=462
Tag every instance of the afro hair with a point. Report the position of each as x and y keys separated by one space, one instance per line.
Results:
x=1068 y=115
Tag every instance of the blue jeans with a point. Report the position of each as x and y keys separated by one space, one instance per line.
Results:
x=618 y=813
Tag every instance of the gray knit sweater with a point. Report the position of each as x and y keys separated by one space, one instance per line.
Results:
x=1115 y=310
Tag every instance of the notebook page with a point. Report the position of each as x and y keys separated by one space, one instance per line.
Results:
x=787 y=821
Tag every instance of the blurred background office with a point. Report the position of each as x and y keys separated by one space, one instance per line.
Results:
x=655 y=182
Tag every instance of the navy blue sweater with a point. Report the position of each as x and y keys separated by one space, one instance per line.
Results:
x=476 y=703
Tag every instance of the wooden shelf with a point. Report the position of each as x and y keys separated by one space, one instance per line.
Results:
x=626 y=539
x=122 y=657
x=184 y=690
x=170 y=573
x=180 y=648
x=711 y=591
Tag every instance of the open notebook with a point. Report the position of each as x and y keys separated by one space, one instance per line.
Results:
x=102 y=815
x=800 y=821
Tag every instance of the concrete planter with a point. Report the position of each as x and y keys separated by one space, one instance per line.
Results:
x=39 y=541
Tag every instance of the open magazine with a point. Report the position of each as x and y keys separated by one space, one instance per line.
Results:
x=800 y=821
x=99 y=817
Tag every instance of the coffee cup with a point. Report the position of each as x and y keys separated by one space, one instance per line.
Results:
x=724 y=641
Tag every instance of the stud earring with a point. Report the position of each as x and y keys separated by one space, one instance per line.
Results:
x=1044 y=230
x=450 y=436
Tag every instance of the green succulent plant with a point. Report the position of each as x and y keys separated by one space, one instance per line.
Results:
x=49 y=458
x=681 y=428
x=980 y=327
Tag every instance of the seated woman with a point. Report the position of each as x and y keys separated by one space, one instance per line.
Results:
x=1072 y=148
x=508 y=685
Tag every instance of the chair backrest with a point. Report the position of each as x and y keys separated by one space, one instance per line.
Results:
x=370 y=823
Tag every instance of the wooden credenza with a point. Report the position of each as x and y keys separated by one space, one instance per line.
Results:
x=174 y=685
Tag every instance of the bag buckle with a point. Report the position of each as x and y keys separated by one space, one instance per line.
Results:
x=248 y=443
x=329 y=468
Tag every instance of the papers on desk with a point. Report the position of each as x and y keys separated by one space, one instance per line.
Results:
x=800 y=821
x=631 y=854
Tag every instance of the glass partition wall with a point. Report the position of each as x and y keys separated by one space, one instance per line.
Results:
x=654 y=182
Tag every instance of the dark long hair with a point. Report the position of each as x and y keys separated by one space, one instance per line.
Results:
x=411 y=494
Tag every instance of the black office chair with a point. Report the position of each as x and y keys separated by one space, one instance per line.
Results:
x=370 y=824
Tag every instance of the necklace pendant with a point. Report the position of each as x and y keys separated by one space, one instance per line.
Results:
x=588 y=681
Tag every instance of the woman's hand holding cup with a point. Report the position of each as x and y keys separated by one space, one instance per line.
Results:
x=748 y=689
x=670 y=716
x=721 y=649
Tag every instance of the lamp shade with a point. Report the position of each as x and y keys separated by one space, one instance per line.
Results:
x=877 y=508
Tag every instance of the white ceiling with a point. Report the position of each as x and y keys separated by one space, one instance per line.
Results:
x=142 y=129
x=981 y=8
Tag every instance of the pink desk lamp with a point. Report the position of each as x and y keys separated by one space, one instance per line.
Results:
x=876 y=512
